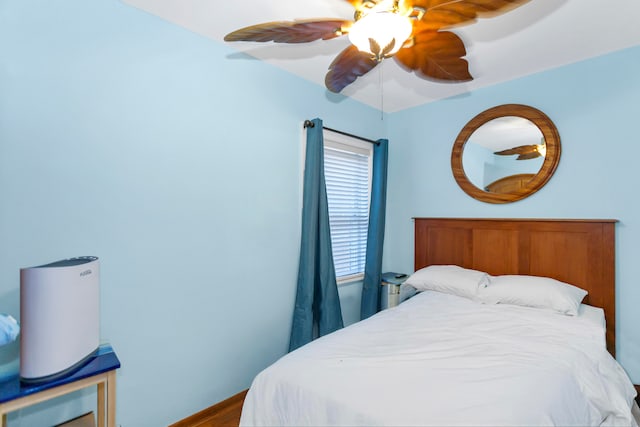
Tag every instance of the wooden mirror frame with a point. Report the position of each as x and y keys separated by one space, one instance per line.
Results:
x=551 y=160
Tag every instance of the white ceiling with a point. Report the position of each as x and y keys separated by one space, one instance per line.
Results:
x=540 y=35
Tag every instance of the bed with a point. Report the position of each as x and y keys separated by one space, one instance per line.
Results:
x=441 y=358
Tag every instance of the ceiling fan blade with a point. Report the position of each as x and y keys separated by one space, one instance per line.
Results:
x=528 y=156
x=436 y=55
x=347 y=67
x=449 y=13
x=522 y=150
x=299 y=31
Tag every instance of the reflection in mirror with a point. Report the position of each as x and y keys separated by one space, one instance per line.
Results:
x=504 y=154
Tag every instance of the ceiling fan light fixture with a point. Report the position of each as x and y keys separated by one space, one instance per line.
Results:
x=542 y=148
x=388 y=29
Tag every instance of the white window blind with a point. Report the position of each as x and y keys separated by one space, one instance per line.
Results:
x=347 y=174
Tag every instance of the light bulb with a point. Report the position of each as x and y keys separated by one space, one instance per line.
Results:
x=542 y=148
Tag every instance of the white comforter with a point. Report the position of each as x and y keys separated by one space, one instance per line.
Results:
x=439 y=360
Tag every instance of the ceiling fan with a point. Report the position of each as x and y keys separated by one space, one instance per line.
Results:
x=409 y=30
x=525 y=152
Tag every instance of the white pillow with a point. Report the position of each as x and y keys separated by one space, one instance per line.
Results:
x=592 y=314
x=533 y=291
x=450 y=279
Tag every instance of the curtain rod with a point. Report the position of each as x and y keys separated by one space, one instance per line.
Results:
x=310 y=124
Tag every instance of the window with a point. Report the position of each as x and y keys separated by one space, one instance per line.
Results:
x=347 y=166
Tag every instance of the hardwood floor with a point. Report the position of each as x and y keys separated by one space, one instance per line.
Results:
x=227 y=413
x=223 y=414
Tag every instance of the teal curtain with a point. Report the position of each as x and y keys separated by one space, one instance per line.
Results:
x=370 y=303
x=317 y=309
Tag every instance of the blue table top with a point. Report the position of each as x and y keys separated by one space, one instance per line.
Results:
x=103 y=360
x=394 y=278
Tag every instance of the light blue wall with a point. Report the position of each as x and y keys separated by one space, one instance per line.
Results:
x=594 y=104
x=501 y=167
x=475 y=161
x=178 y=163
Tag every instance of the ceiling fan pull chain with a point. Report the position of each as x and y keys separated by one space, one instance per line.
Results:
x=380 y=83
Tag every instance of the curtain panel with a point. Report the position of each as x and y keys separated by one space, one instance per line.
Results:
x=370 y=303
x=317 y=309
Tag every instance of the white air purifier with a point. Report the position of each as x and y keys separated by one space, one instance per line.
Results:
x=59 y=317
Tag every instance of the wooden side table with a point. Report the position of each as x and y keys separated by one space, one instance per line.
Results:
x=99 y=370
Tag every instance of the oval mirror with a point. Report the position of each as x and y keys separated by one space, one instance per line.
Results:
x=505 y=153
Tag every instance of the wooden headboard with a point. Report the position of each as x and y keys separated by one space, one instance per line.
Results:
x=580 y=252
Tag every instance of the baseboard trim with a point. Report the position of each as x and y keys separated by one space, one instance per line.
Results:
x=225 y=413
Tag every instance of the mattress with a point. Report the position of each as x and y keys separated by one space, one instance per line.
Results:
x=440 y=359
